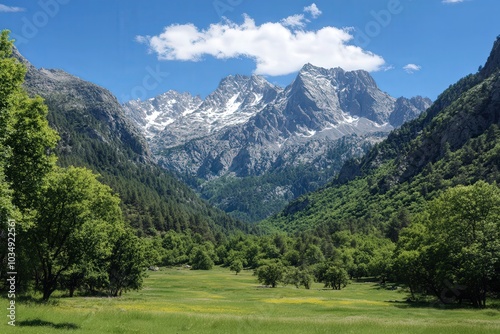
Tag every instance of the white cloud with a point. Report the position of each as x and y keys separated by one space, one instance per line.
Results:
x=276 y=48
x=313 y=10
x=10 y=9
x=452 y=1
x=412 y=68
x=297 y=20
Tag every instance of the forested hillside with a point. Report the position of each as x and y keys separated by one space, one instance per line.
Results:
x=60 y=227
x=254 y=198
x=95 y=134
x=456 y=142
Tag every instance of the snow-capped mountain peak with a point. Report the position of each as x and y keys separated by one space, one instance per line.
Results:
x=178 y=118
x=246 y=124
x=154 y=114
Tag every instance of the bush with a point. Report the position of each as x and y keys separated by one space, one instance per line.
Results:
x=236 y=266
x=331 y=275
x=201 y=260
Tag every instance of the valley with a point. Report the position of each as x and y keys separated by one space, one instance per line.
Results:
x=298 y=196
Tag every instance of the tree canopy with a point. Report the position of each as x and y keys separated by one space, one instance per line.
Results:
x=455 y=243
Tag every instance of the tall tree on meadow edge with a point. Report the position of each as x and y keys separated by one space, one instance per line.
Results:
x=201 y=260
x=26 y=141
x=453 y=249
x=236 y=266
x=75 y=221
x=331 y=275
x=7 y=85
x=270 y=273
x=127 y=261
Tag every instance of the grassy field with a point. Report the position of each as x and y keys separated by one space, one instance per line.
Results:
x=217 y=301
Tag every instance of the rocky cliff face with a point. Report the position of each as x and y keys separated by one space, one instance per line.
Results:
x=408 y=109
x=493 y=63
x=247 y=126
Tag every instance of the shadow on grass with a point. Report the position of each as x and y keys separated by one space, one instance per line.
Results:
x=43 y=323
x=367 y=280
x=441 y=306
x=28 y=299
x=387 y=286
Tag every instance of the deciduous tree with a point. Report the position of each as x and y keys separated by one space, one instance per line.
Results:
x=74 y=222
x=270 y=274
x=455 y=245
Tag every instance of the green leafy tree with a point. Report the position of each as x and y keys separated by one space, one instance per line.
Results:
x=313 y=255
x=331 y=275
x=201 y=260
x=11 y=75
x=292 y=257
x=6 y=212
x=298 y=277
x=26 y=139
x=128 y=263
x=176 y=246
x=29 y=141
x=25 y=144
x=269 y=249
x=409 y=269
x=72 y=223
x=455 y=243
x=236 y=266
x=252 y=254
x=270 y=274
x=397 y=223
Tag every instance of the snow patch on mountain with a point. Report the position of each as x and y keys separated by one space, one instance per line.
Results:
x=243 y=127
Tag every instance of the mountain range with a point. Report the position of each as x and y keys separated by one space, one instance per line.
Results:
x=250 y=128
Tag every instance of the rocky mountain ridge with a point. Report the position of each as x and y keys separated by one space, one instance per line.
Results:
x=81 y=97
x=178 y=118
x=247 y=126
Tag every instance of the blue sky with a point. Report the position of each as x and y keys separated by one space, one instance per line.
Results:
x=139 y=49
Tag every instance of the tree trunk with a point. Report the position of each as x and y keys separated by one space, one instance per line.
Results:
x=47 y=291
x=48 y=286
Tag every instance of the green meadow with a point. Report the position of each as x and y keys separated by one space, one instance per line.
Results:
x=218 y=301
